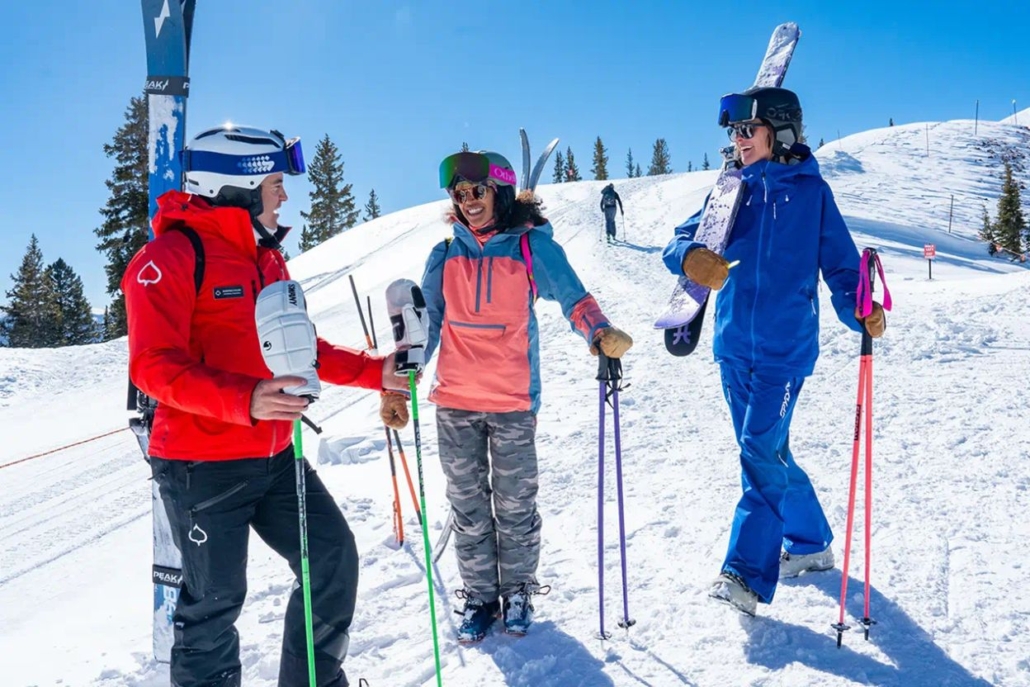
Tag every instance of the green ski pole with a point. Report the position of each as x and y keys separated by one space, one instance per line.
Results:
x=305 y=569
x=425 y=524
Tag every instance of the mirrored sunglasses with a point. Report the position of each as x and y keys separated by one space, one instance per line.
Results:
x=745 y=131
x=464 y=191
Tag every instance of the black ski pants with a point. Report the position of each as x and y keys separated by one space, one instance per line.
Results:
x=212 y=505
x=609 y=222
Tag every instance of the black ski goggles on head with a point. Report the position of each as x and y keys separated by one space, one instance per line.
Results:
x=737 y=108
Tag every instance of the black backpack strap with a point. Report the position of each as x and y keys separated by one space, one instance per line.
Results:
x=198 y=253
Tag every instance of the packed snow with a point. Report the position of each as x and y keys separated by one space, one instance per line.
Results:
x=951 y=488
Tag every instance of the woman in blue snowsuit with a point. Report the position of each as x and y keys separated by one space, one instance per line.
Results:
x=788 y=229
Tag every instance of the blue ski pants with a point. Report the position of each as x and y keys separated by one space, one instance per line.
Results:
x=779 y=507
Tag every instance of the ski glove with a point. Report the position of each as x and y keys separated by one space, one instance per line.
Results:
x=875 y=322
x=706 y=268
x=613 y=342
x=393 y=409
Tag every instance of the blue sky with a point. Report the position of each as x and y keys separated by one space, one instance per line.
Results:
x=399 y=85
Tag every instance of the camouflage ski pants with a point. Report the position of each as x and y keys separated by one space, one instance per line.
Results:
x=496 y=523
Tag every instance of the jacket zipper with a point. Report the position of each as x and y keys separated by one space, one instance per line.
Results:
x=758 y=267
x=489 y=280
x=479 y=279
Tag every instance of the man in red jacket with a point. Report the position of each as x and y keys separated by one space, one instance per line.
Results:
x=220 y=444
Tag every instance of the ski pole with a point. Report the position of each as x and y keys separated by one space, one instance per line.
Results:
x=373 y=345
x=425 y=525
x=397 y=440
x=600 y=495
x=305 y=568
x=614 y=385
x=407 y=474
x=870 y=265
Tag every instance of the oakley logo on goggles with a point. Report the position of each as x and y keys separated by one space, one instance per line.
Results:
x=289 y=160
x=474 y=167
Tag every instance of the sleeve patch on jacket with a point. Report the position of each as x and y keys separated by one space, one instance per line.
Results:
x=149 y=274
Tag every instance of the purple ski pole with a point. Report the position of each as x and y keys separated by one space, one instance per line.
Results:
x=600 y=494
x=615 y=382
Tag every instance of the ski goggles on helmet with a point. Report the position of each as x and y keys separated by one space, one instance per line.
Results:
x=464 y=190
x=288 y=160
x=474 y=167
x=737 y=108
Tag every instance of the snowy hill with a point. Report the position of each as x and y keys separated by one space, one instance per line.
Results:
x=951 y=490
x=1020 y=118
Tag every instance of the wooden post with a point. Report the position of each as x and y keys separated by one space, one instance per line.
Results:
x=976 y=122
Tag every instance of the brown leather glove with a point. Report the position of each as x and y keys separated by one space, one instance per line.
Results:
x=706 y=268
x=875 y=322
x=393 y=409
x=613 y=341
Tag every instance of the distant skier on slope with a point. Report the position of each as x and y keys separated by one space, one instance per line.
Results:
x=788 y=229
x=608 y=200
x=480 y=289
x=220 y=446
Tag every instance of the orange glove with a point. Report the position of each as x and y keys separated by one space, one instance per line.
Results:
x=613 y=341
x=875 y=322
x=706 y=268
x=393 y=409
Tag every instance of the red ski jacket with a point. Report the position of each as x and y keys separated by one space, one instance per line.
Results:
x=198 y=353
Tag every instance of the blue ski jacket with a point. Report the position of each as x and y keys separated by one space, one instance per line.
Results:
x=788 y=228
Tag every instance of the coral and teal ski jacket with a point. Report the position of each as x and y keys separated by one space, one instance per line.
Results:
x=480 y=301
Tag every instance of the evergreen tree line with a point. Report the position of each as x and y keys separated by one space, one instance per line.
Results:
x=566 y=168
x=46 y=306
x=1008 y=231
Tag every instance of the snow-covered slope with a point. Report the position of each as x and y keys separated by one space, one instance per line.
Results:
x=951 y=491
x=1020 y=118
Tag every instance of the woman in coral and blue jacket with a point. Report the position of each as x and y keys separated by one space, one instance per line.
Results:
x=788 y=229
x=480 y=288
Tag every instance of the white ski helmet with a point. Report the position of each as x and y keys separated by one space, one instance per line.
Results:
x=228 y=164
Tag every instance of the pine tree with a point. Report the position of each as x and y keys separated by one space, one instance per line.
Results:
x=660 y=162
x=126 y=226
x=637 y=173
x=705 y=165
x=1010 y=226
x=332 y=203
x=105 y=326
x=372 y=209
x=571 y=169
x=28 y=321
x=987 y=231
x=821 y=143
x=559 y=168
x=891 y=123
x=600 y=168
x=464 y=146
x=73 y=316
x=690 y=166
x=629 y=163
